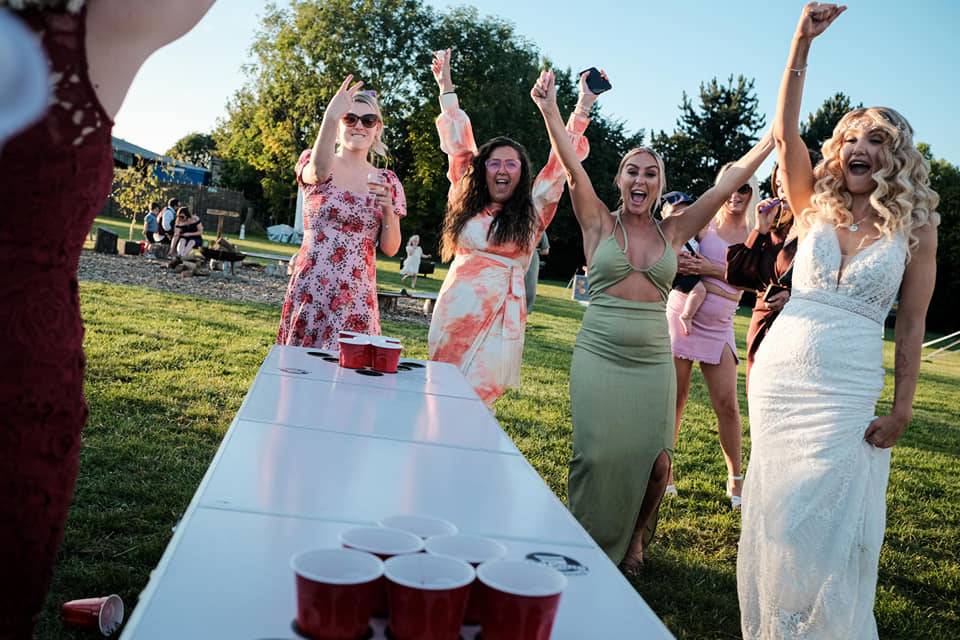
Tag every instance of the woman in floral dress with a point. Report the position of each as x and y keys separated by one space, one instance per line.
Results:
x=349 y=205
x=494 y=219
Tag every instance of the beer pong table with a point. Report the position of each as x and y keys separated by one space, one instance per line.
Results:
x=315 y=450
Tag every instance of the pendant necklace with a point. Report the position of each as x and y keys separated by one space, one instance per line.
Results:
x=855 y=225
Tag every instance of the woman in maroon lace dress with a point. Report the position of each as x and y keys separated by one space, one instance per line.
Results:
x=57 y=173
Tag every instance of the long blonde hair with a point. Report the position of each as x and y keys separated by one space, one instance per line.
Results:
x=903 y=198
x=750 y=212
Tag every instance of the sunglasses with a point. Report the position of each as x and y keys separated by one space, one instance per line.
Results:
x=369 y=121
x=494 y=165
x=745 y=189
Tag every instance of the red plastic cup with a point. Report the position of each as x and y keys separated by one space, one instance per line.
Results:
x=422 y=526
x=385 y=354
x=336 y=590
x=352 y=334
x=384 y=543
x=473 y=550
x=428 y=596
x=518 y=599
x=104 y=614
x=355 y=352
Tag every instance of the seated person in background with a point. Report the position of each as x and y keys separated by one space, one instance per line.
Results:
x=673 y=203
x=187 y=234
x=151 y=223
x=168 y=219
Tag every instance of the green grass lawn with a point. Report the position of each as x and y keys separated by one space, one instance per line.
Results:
x=167 y=373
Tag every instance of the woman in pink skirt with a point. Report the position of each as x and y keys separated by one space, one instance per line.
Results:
x=710 y=340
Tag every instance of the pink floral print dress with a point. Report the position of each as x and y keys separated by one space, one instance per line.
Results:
x=480 y=314
x=334 y=282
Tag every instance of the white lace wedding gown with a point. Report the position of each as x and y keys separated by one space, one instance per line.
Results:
x=814 y=499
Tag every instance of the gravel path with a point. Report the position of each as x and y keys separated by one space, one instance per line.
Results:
x=251 y=284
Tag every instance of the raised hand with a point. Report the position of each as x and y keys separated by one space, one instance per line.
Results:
x=342 y=100
x=544 y=92
x=587 y=98
x=816 y=17
x=441 y=70
x=767 y=211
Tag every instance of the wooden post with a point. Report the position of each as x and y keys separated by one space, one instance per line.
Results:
x=221 y=214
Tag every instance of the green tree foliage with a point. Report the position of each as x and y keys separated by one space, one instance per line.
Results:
x=196 y=148
x=819 y=125
x=719 y=129
x=301 y=54
x=945 y=180
x=134 y=188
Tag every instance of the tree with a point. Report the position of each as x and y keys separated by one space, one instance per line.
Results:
x=720 y=129
x=819 y=125
x=134 y=188
x=945 y=180
x=301 y=55
x=196 y=148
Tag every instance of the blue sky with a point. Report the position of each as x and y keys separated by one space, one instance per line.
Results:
x=879 y=52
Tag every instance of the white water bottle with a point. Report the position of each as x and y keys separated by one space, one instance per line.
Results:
x=243 y=232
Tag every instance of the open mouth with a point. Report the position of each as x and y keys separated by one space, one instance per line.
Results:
x=502 y=182
x=637 y=196
x=859 y=168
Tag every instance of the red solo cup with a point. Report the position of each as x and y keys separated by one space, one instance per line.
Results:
x=336 y=590
x=104 y=614
x=385 y=355
x=387 y=339
x=428 y=596
x=384 y=543
x=352 y=334
x=473 y=550
x=422 y=526
x=355 y=352
x=518 y=599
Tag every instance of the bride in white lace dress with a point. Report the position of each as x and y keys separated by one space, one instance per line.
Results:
x=814 y=497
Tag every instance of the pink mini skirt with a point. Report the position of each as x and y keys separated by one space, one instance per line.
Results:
x=712 y=328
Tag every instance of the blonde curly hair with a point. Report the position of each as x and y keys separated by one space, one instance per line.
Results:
x=903 y=197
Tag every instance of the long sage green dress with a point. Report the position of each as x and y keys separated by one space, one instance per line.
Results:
x=623 y=390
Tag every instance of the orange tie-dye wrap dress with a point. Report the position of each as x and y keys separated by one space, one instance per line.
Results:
x=480 y=314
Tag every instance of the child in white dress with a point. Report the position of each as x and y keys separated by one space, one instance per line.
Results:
x=411 y=264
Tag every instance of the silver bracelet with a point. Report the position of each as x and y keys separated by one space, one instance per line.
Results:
x=797 y=72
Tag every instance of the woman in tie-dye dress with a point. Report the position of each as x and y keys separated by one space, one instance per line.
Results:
x=492 y=224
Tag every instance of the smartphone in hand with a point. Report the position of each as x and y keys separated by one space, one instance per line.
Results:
x=595 y=81
x=772 y=290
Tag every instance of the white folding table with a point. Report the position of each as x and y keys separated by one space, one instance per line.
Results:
x=312 y=454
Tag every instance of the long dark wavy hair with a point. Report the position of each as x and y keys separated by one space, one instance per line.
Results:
x=517 y=221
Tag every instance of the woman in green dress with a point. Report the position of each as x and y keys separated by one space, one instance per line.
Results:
x=622 y=380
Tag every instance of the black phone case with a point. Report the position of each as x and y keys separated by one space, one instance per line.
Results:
x=596 y=82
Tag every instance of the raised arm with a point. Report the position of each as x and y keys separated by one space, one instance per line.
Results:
x=796 y=171
x=321 y=155
x=587 y=206
x=122 y=34
x=453 y=125
x=549 y=183
x=915 y=293
x=683 y=226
